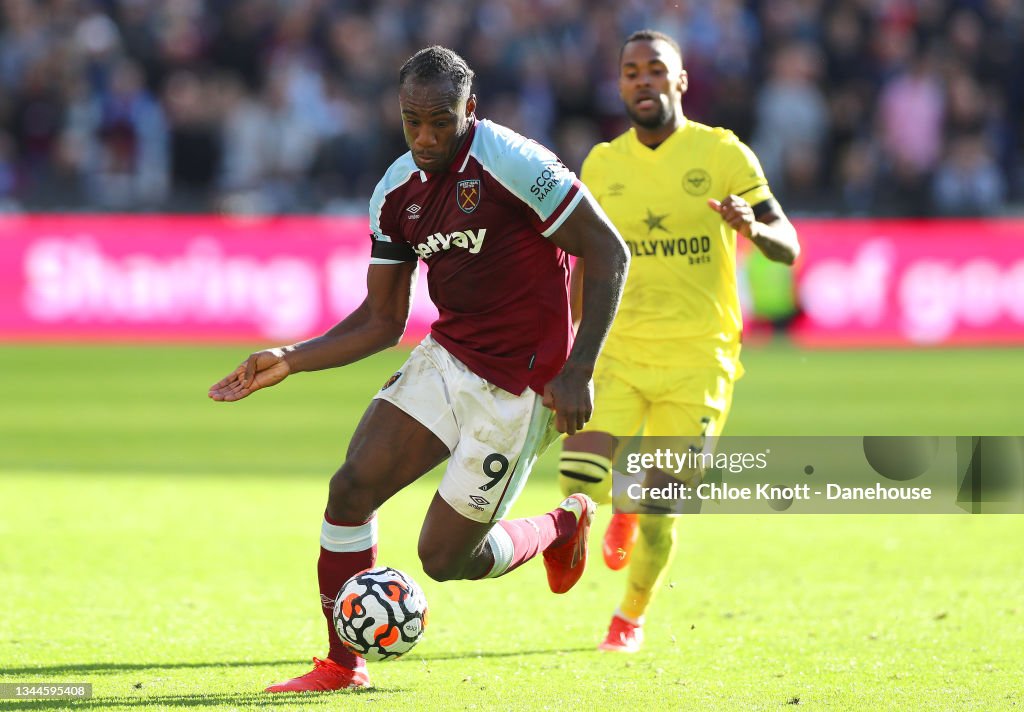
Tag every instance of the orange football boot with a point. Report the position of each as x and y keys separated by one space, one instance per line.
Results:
x=565 y=563
x=326 y=675
x=619 y=538
x=623 y=636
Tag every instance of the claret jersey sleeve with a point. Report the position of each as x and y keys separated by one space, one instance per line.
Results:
x=383 y=227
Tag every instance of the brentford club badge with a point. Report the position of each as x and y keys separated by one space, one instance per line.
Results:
x=467 y=195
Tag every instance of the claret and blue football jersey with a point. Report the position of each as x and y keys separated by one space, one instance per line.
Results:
x=501 y=287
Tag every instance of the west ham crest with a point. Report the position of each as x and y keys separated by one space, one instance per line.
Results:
x=467 y=195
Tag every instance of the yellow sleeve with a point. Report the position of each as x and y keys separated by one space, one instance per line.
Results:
x=590 y=172
x=745 y=176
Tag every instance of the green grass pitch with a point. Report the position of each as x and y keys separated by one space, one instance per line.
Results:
x=162 y=547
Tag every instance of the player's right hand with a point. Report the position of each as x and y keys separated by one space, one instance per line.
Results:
x=261 y=370
x=571 y=395
x=736 y=212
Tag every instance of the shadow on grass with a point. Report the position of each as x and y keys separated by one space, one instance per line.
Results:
x=115 y=667
x=74 y=669
x=234 y=700
x=468 y=655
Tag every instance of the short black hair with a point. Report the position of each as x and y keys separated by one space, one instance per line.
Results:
x=436 y=63
x=651 y=36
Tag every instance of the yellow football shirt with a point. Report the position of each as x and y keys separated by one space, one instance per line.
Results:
x=680 y=305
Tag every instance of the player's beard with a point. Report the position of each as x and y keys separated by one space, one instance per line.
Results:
x=653 y=121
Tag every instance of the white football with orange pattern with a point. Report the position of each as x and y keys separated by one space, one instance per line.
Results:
x=380 y=613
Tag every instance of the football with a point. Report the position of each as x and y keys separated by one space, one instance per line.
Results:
x=380 y=613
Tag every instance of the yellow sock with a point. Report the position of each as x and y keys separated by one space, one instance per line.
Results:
x=651 y=557
x=587 y=473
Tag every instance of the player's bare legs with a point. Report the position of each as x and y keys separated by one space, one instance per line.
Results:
x=388 y=451
x=452 y=546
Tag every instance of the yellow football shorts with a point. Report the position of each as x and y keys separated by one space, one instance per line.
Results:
x=666 y=400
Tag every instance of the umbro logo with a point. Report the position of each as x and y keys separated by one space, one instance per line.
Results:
x=414 y=211
x=615 y=190
x=477 y=502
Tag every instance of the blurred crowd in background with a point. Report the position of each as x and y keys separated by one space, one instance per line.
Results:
x=855 y=107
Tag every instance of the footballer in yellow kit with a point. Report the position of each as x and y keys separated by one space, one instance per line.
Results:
x=680 y=193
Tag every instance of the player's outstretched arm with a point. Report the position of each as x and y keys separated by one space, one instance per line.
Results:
x=588 y=234
x=260 y=370
x=376 y=324
x=765 y=225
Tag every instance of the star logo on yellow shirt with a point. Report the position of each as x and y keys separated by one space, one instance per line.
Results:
x=653 y=222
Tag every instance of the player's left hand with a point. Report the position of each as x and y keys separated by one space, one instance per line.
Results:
x=571 y=395
x=737 y=212
x=261 y=370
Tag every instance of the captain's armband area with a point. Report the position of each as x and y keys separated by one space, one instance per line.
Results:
x=766 y=207
x=394 y=251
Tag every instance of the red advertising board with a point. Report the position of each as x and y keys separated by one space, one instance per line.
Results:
x=160 y=278
x=911 y=282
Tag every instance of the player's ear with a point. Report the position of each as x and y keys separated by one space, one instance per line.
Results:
x=684 y=81
x=470 y=105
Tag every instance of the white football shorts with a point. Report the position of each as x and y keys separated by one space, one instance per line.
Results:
x=494 y=437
